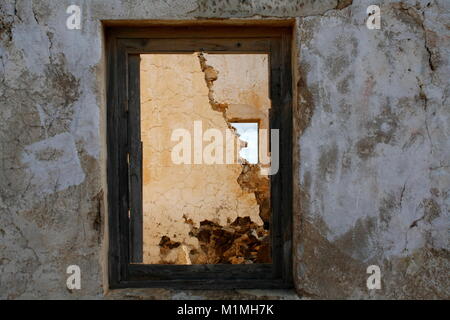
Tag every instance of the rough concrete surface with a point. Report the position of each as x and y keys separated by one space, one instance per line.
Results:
x=371 y=142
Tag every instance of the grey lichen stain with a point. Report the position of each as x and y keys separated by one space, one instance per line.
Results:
x=357 y=241
x=343 y=85
x=336 y=65
x=50 y=211
x=388 y=208
x=421 y=275
x=431 y=211
x=408 y=15
x=62 y=90
x=346 y=162
x=381 y=130
x=328 y=162
x=306 y=31
x=305 y=109
x=342 y=42
x=6 y=25
x=49 y=154
x=248 y=8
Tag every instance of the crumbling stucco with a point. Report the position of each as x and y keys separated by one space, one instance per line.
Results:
x=371 y=119
x=176 y=91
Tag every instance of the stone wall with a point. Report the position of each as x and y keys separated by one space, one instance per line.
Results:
x=372 y=147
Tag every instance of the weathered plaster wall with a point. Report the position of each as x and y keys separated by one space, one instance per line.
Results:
x=177 y=197
x=372 y=159
x=244 y=86
x=374 y=156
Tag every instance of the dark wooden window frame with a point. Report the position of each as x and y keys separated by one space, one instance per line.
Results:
x=123 y=46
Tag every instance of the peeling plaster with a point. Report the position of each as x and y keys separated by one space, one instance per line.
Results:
x=388 y=206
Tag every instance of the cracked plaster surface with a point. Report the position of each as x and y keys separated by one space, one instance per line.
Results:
x=371 y=152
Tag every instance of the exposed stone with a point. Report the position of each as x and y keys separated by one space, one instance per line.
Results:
x=251 y=180
x=242 y=241
x=166 y=245
x=211 y=75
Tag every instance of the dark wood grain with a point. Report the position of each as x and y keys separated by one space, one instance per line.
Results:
x=238 y=45
x=276 y=195
x=199 y=32
x=135 y=159
x=112 y=163
x=286 y=184
x=122 y=171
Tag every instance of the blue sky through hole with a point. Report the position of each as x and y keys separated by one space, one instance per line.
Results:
x=248 y=131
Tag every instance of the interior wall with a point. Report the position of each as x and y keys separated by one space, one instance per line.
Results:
x=177 y=198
